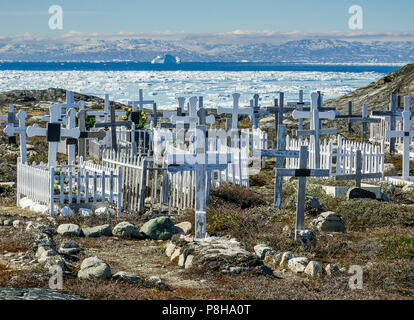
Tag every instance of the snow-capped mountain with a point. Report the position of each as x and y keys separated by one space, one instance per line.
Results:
x=74 y=47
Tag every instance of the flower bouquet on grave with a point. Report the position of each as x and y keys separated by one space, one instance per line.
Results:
x=142 y=119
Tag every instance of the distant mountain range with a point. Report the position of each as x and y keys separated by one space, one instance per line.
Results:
x=198 y=49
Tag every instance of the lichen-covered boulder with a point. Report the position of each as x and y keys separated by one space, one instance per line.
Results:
x=329 y=222
x=161 y=228
x=126 y=229
x=298 y=265
x=94 y=268
x=98 y=231
x=69 y=229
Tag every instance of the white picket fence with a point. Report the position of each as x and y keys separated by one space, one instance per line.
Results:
x=339 y=156
x=83 y=183
x=377 y=132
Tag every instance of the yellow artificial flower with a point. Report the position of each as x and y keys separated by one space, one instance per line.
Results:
x=129 y=109
x=124 y=117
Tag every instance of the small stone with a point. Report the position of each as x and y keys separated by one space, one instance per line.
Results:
x=170 y=249
x=104 y=211
x=313 y=269
x=17 y=223
x=184 y=228
x=84 y=212
x=359 y=193
x=67 y=212
x=8 y=222
x=94 y=267
x=261 y=250
x=189 y=261
x=181 y=260
x=305 y=237
x=329 y=222
x=332 y=269
x=298 y=265
x=69 y=229
x=127 y=230
x=312 y=206
x=98 y=231
x=286 y=256
x=155 y=279
x=69 y=247
x=129 y=277
x=175 y=255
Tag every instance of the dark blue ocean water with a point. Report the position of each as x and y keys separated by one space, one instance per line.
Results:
x=189 y=66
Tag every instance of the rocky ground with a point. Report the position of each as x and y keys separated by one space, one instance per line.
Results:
x=251 y=254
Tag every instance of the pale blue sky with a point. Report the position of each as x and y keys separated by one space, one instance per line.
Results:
x=207 y=16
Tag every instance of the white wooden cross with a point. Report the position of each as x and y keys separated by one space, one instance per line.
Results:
x=407 y=134
x=11 y=130
x=235 y=111
x=192 y=118
x=254 y=104
x=314 y=115
x=364 y=119
x=300 y=104
x=53 y=132
x=302 y=173
x=358 y=175
x=201 y=162
x=70 y=104
x=141 y=102
x=393 y=113
x=113 y=124
x=281 y=153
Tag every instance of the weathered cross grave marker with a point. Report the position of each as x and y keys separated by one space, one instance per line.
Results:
x=314 y=115
x=113 y=124
x=300 y=104
x=85 y=134
x=365 y=120
x=11 y=130
x=254 y=104
x=358 y=175
x=10 y=119
x=302 y=173
x=350 y=116
x=53 y=133
x=281 y=153
x=407 y=134
x=200 y=162
x=392 y=114
x=235 y=111
x=141 y=102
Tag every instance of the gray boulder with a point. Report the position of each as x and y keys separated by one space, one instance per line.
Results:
x=359 y=193
x=161 y=228
x=313 y=269
x=298 y=265
x=126 y=276
x=262 y=250
x=69 y=229
x=312 y=206
x=94 y=268
x=69 y=247
x=329 y=222
x=184 y=228
x=98 y=231
x=331 y=269
x=126 y=229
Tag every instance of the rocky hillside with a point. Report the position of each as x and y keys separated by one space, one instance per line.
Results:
x=40 y=99
x=377 y=94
